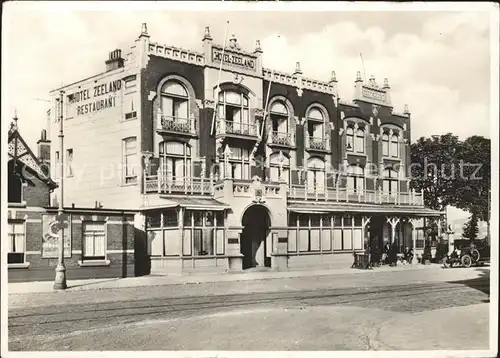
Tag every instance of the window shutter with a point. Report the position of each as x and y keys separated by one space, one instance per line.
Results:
x=402 y=155
x=369 y=147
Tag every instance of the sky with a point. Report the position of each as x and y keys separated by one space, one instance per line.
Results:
x=437 y=62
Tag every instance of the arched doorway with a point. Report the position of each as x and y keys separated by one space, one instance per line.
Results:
x=256 y=228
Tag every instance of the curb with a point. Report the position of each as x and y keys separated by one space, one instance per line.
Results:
x=89 y=285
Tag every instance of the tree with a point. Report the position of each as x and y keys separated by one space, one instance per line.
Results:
x=474 y=193
x=471 y=228
x=434 y=164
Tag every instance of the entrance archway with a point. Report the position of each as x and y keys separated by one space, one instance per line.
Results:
x=253 y=245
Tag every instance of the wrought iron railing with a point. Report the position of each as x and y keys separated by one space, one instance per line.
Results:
x=317 y=143
x=282 y=138
x=238 y=128
x=176 y=124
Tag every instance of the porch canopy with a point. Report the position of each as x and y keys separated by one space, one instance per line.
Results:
x=189 y=204
x=319 y=208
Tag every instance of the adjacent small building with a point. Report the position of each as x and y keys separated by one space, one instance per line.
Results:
x=94 y=237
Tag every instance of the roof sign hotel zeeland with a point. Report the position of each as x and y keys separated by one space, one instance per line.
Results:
x=93 y=99
x=232 y=59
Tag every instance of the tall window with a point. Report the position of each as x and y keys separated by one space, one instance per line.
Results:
x=385 y=145
x=233 y=108
x=130 y=160
x=94 y=240
x=16 y=243
x=356 y=179
x=279 y=122
x=315 y=123
x=316 y=175
x=15 y=184
x=390 y=182
x=69 y=162
x=279 y=167
x=174 y=101
x=349 y=135
x=359 y=143
x=240 y=163
x=394 y=146
x=175 y=161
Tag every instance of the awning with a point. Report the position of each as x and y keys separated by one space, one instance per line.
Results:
x=190 y=204
x=318 y=208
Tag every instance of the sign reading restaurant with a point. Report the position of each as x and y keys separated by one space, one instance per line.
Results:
x=95 y=98
x=233 y=59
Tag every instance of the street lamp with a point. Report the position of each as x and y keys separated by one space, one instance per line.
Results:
x=60 y=279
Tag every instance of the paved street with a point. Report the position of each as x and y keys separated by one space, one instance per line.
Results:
x=424 y=309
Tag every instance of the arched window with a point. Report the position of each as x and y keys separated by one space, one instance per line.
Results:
x=316 y=123
x=175 y=161
x=359 y=143
x=390 y=181
x=233 y=110
x=174 y=101
x=394 y=146
x=385 y=145
x=315 y=175
x=279 y=167
x=279 y=116
x=349 y=135
x=355 y=179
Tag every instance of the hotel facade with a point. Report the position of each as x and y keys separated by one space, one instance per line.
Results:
x=229 y=165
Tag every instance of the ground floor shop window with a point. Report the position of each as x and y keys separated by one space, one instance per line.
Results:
x=94 y=240
x=16 y=238
x=201 y=233
x=324 y=233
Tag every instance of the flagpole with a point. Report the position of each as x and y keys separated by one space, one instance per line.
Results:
x=267 y=104
x=218 y=81
x=363 y=64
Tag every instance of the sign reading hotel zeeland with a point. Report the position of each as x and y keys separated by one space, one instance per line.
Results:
x=93 y=99
x=233 y=59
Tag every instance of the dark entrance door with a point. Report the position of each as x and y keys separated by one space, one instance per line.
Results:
x=256 y=227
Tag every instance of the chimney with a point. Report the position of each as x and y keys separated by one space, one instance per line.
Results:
x=43 y=147
x=115 y=60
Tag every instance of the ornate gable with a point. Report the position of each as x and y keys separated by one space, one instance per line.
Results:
x=20 y=151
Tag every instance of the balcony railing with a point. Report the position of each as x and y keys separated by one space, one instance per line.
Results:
x=225 y=127
x=176 y=124
x=301 y=192
x=282 y=138
x=180 y=185
x=165 y=184
x=317 y=143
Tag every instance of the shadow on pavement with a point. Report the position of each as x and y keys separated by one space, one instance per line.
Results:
x=481 y=283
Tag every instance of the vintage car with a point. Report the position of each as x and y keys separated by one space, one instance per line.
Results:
x=474 y=254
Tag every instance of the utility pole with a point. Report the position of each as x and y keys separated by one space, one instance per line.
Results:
x=60 y=279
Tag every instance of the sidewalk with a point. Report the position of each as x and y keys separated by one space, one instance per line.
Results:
x=153 y=280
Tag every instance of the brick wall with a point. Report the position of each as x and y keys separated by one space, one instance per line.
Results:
x=120 y=245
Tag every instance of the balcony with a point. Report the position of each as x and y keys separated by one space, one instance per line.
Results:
x=177 y=185
x=317 y=144
x=281 y=139
x=303 y=192
x=237 y=129
x=176 y=125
